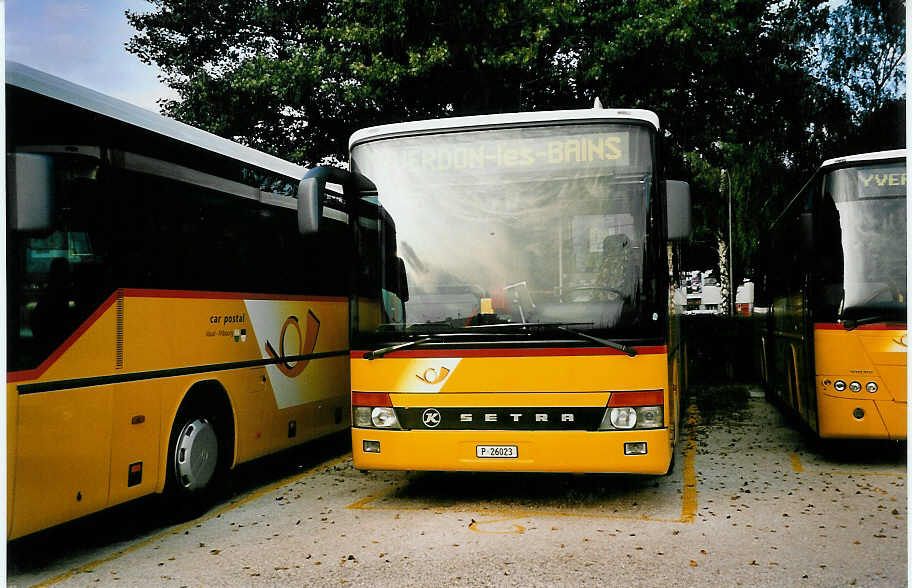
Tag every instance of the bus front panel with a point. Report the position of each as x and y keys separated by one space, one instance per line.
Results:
x=861 y=381
x=572 y=410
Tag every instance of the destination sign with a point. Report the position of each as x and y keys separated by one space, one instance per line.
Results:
x=869 y=182
x=880 y=180
x=453 y=153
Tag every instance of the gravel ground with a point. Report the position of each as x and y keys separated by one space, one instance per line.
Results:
x=751 y=502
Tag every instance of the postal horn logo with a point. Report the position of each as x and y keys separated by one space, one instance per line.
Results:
x=433 y=376
x=293 y=365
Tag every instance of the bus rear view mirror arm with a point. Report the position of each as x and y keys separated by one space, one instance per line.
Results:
x=30 y=191
x=677 y=195
x=312 y=194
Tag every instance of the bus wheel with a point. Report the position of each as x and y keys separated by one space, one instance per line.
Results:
x=671 y=464
x=195 y=455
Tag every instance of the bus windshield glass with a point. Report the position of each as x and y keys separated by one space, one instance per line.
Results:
x=543 y=224
x=871 y=204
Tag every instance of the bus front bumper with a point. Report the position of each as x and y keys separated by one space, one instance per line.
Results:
x=535 y=451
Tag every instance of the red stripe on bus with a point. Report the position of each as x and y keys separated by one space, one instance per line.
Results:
x=35 y=373
x=874 y=327
x=523 y=352
x=148 y=293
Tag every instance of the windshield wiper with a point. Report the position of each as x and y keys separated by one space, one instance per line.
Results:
x=522 y=325
x=378 y=353
x=612 y=344
x=852 y=324
x=566 y=328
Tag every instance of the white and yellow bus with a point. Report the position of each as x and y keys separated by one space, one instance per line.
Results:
x=525 y=319
x=835 y=342
x=169 y=315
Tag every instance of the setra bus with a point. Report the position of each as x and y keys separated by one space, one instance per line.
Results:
x=524 y=320
x=177 y=304
x=835 y=340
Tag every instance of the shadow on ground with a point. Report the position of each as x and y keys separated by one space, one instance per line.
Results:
x=129 y=522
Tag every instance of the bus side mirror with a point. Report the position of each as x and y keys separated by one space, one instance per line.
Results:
x=310 y=201
x=677 y=198
x=29 y=191
x=806 y=226
x=403 y=281
x=312 y=195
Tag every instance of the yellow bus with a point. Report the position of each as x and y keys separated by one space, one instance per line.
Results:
x=835 y=343
x=525 y=319
x=169 y=315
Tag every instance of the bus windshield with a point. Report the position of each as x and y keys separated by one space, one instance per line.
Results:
x=519 y=225
x=871 y=205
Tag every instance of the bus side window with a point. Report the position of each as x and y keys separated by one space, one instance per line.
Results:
x=51 y=319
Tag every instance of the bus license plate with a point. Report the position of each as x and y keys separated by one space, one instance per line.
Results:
x=503 y=451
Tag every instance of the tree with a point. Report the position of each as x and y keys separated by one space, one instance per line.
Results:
x=765 y=89
x=296 y=78
x=861 y=53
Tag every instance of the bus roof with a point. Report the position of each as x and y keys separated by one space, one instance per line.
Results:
x=864 y=157
x=33 y=80
x=488 y=121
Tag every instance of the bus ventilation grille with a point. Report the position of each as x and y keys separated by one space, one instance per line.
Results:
x=119 y=335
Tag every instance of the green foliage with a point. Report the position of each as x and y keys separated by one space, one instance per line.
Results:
x=764 y=89
x=862 y=52
x=296 y=78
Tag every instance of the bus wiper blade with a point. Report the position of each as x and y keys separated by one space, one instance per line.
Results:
x=378 y=353
x=613 y=345
x=852 y=324
x=523 y=325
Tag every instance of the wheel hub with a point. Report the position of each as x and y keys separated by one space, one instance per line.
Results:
x=196 y=454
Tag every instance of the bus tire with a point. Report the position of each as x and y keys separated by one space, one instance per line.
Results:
x=671 y=464
x=197 y=460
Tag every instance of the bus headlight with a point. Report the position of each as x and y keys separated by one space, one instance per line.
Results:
x=871 y=387
x=362 y=416
x=373 y=410
x=384 y=417
x=650 y=417
x=855 y=386
x=636 y=409
x=622 y=418
x=632 y=417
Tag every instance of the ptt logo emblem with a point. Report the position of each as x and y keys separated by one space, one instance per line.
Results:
x=293 y=365
x=431 y=418
x=432 y=376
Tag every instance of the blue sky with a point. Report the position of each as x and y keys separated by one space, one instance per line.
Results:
x=83 y=42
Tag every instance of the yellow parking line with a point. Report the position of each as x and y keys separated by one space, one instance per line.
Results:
x=860 y=473
x=177 y=530
x=689 y=498
x=509 y=513
x=798 y=468
x=514 y=528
